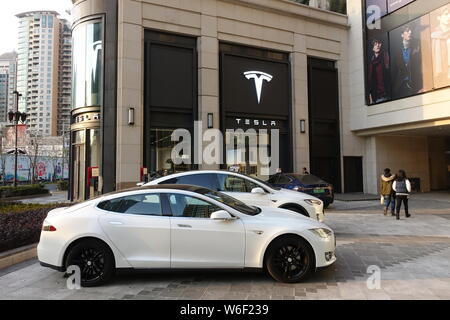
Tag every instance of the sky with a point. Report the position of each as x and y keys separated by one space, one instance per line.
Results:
x=8 y=20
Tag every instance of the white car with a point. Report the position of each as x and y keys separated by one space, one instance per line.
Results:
x=249 y=190
x=181 y=227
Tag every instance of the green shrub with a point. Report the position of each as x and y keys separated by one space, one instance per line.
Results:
x=18 y=207
x=21 y=224
x=63 y=185
x=25 y=190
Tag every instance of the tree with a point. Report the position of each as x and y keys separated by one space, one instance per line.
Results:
x=33 y=151
x=3 y=157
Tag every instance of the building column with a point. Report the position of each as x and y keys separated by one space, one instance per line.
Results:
x=299 y=67
x=208 y=70
x=130 y=94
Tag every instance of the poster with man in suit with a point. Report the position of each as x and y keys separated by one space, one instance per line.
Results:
x=440 y=44
x=410 y=51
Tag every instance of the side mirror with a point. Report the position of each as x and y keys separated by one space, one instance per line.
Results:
x=258 y=190
x=221 y=215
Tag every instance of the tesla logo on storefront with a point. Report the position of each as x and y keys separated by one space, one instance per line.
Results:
x=256 y=123
x=258 y=77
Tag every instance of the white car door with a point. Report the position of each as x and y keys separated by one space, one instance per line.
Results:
x=200 y=242
x=138 y=228
x=240 y=188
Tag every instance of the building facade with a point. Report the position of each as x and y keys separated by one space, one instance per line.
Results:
x=145 y=68
x=398 y=115
x=44 y=71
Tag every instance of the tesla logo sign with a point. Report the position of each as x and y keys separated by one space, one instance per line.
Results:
x=258 y=77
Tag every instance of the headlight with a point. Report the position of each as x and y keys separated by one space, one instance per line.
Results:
x=322 y=232
x=313 y=202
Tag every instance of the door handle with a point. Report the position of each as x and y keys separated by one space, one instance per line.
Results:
x=117 y=223
x=185 y=226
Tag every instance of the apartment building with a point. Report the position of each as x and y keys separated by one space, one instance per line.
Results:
x=44 y=71
x=8 y=65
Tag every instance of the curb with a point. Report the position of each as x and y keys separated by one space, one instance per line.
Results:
x=25 y=197
x=15 y=256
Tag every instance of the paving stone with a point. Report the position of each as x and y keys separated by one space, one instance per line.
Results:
x=413 y=257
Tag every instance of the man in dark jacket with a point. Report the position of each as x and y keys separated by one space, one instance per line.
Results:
x=387 y=191
x=406 y=67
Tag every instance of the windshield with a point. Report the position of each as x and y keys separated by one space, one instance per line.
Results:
x=231 y=202
x=265 y=183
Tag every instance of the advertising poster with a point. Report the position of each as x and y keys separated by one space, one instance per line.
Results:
x=9 y=139
x=44 y=168
x=393 y=5
x=378 y=67
x=410 y=53
x=440 y=45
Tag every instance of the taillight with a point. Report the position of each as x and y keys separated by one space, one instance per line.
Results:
x=48 y=228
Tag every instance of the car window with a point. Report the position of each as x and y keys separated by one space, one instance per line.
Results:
x=187 y=206
x=284 y=179
x=206 y=180
x=230 y=183
x=309 y=179
x=274 y=178
x=142 y=204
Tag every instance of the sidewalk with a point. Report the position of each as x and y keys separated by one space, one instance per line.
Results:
x=355 y=196
x=419 y=203
x=56 y=196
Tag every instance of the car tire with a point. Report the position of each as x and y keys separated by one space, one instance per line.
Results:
x=95 y=259
x=289 y=259
x=296 y=209
x=326 y=205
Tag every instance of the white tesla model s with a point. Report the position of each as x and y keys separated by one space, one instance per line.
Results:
x=181 y=227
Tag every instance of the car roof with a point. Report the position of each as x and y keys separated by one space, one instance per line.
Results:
x=190 y=172
x=191 y=188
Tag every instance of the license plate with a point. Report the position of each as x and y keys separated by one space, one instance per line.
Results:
x=319 y=191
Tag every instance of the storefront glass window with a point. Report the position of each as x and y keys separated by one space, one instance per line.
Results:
x=87 y=65
x=80 y=136
x=161 y=149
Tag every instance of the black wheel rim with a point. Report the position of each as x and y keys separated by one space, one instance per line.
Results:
x=91 y=262
x=291 y=261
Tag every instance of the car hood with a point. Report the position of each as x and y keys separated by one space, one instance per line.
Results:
x=287 y=217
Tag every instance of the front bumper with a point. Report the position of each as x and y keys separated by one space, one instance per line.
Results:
x=325 y=251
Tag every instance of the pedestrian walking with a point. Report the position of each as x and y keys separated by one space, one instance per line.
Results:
x=386 y=190
x=402 y=188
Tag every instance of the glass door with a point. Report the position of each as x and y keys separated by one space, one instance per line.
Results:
x=79 y=166
x=249 y=154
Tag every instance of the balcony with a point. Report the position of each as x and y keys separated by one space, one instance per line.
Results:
x=339 y=6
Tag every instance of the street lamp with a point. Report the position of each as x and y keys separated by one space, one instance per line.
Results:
x=15 y=117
